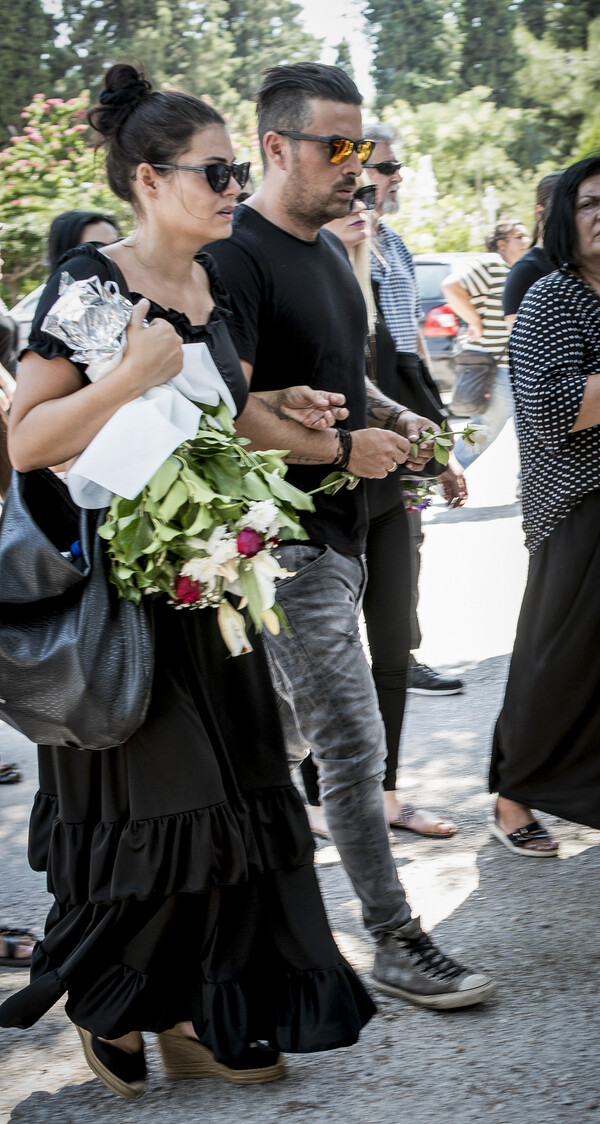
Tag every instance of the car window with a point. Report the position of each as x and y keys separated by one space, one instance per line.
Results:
x=429 y=278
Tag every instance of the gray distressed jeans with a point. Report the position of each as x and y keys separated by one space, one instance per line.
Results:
x=328 y=704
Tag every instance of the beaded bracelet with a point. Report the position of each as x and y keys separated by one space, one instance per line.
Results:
x=344 y=448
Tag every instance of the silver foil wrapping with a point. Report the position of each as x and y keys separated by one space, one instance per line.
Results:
x=90 y=317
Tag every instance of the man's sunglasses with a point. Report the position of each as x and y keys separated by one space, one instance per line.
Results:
x=367 y=195
x=217 y=175
x=386 y=167
x=340 y=148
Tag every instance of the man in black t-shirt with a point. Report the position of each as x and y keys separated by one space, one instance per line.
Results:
x=299 y=317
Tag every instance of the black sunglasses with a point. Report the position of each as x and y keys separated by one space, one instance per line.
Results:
x=340 y=148
x=217 y=175
x=367 y=195
x=386 y=167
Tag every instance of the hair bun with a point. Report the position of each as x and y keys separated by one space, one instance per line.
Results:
x=124 y=89
x=134 y=93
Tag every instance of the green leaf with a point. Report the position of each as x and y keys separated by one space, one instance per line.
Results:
x=175 y=498
x=163 y=479
x=284 y=491
x=255 y=487
x=250 y=587
x=203 y=520
x=135 y=538
x=441 y=454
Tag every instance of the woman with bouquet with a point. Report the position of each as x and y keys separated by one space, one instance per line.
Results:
x=181 y=862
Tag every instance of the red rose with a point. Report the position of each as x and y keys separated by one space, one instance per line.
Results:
x=249 y=542
x=186 y=591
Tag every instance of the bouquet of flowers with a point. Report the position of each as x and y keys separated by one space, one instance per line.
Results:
x=195 y=519
x=206 y=526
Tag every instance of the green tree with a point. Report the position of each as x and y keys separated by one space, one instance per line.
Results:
x=534 y=16
x=414 y=50
x=47 y=169
x=214 y=48
x=26 y=31
x=265 y=33
x=344 y=57
x=188 y=48
x=571 y=21
x=489 y=56
x=562 y=88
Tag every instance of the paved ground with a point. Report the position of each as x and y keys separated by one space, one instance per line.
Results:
x=530 y=1054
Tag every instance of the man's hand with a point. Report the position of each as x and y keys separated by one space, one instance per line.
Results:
x=454 y=484
x=7 y=389
x=314 y=409
x=377 y=452
x=411 y=426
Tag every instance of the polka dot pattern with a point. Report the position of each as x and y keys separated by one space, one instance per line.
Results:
x=554 y=348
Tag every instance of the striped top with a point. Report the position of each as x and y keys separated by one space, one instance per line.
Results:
x=393 y=270
x=484 y=281
x=554 y=348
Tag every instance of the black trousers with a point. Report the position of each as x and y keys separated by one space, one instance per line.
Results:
x=387 y=616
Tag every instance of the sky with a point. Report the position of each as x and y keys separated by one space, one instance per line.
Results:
x=333 y=20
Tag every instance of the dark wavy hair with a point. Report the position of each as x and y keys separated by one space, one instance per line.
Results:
x=137 y=124
x=66 y=231
x=283 y=99
x=560 y=234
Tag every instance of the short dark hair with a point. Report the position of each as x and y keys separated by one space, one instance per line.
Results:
x=66 y=231
x=559 y=228
x=282 y=101
x=140 y=125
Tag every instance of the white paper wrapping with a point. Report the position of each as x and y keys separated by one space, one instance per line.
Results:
x=138 y=439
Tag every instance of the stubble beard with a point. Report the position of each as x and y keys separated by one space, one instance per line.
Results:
x=311 y=212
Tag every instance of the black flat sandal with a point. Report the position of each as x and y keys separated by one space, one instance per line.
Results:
x=516 y=841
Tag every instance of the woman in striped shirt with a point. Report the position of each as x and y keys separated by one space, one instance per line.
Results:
x=475 y=294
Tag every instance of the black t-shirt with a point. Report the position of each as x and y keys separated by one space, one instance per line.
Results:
x=524 y=273
x=300 y=318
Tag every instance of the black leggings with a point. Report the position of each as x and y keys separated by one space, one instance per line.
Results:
x=387 y=616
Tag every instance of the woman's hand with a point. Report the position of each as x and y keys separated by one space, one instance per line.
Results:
x=154 y=352
x=453 y=483
x=314 y=409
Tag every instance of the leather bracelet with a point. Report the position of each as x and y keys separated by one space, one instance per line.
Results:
x=344 y=448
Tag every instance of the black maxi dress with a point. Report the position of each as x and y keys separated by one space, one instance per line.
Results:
x=545 y=747
x=181 y=863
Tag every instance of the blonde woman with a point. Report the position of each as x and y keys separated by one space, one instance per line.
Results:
x=387 y=596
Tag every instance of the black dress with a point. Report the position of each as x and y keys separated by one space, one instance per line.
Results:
x=545 y=749
x=181 y=863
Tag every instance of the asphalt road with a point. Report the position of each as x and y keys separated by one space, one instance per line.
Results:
x=528 y=1055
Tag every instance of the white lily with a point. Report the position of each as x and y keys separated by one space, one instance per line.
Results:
x=233 y=629
x=266 y=571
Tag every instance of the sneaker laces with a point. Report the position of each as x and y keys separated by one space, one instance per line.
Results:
x=430 y=957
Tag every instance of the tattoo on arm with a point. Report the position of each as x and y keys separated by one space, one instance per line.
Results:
x=384 y=412
x=272 y=407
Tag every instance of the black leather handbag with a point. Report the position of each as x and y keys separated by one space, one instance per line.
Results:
x=76 y=661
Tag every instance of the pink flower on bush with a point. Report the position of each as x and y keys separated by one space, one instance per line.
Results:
x=249 y=542
x=186 y=591
x=55 y=101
